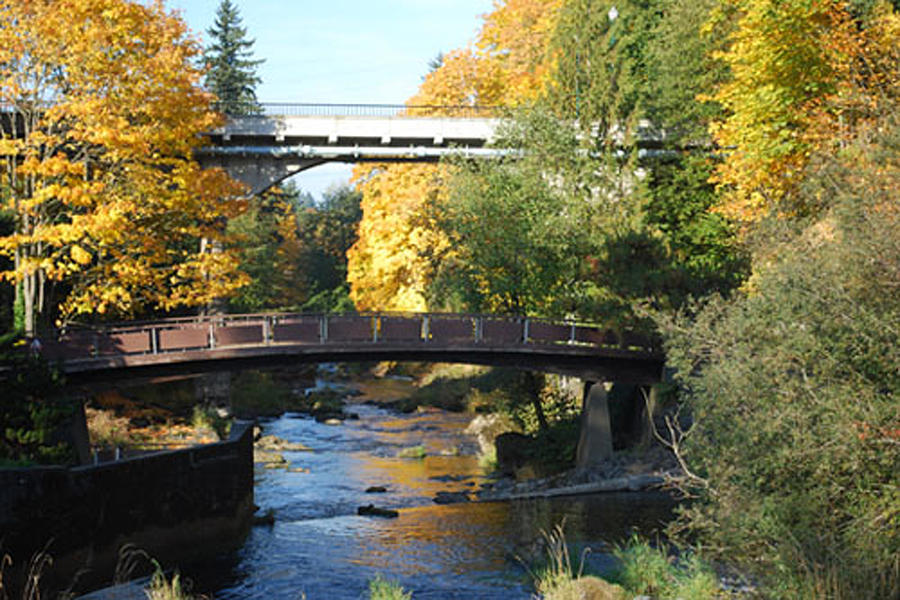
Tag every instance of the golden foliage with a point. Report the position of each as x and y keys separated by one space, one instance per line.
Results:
x=391 y=264
x=806 y=76
x=100 y=174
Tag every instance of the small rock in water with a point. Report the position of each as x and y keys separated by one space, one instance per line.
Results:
x=271 y=442
x=451 y=497
x=333 y=421
x=373 y=511
x=376 y=489
x=446 y=478
x=267 y=518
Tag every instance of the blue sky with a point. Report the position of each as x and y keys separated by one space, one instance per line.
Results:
x=344 y=51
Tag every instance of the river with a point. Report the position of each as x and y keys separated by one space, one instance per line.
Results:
x=319 y=547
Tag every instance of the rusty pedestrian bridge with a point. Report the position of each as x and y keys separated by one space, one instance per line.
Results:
x=224 y=342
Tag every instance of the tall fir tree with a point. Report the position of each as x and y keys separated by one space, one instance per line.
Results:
x=229 y=58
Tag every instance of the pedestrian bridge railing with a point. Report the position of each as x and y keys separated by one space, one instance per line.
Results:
x=456 y=331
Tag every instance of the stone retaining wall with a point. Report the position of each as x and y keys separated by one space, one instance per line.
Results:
x=175 y=505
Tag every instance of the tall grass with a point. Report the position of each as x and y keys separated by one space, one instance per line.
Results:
x=163 y=588
x=558 y=570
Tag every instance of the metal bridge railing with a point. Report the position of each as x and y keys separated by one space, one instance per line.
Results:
x=336 y=330
x=285 y=109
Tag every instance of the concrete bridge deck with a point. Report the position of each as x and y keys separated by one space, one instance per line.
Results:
x=203 y=344
x=284 y=139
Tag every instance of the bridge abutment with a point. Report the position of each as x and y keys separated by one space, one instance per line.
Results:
x=262 y=170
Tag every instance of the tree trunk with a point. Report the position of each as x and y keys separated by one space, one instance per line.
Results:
x=28 y=292
x=217 y=306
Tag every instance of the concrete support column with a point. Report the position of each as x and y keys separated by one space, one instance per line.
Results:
x=595 y=441
x=650 y=405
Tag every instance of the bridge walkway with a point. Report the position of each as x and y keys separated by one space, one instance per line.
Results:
x=217 y=342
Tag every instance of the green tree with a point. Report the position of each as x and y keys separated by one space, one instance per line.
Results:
x=516 y=240
x=271 y=253
x=632 y=74
x=232 y=69
x=328 y=230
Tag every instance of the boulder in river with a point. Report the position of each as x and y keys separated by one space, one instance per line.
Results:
x=512 y=451
x=373 y=511
x=376 y=489
x=588 y=588
x=267 y=518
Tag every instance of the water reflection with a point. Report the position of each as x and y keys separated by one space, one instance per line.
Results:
x=320 y=547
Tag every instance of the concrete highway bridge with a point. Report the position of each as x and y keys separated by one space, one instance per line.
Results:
x=285 y=139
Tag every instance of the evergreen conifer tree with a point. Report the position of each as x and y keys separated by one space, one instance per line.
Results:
x=232 y=69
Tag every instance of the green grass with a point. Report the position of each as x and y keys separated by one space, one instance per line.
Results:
x=383 y=589
x=647 y=570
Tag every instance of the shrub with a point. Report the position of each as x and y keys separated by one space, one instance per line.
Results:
x=107 y=430
x=258 y=394
x=794 y=389
x=208 y=418
x=33 y=409
x=382 y=589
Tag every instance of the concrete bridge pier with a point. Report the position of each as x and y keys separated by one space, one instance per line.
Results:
x=595 y=442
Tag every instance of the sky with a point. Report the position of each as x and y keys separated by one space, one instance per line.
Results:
x=343 y=51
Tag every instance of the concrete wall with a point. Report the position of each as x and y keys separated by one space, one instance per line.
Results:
x=174 y=505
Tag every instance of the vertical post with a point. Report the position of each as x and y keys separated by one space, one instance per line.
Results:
x=479 y=330
x=323 y=328
x=572 y=334
x=212 y=335
x=525 y=331
x=266 y=329
x=154 y=340
x=426 y=327
x=375 y=329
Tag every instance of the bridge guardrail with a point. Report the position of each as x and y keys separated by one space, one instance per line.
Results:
x=204 y=333
x=303 y=109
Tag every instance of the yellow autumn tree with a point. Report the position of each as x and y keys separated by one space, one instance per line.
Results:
x=102 y=110
x=508 y=64
x=803 y=76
